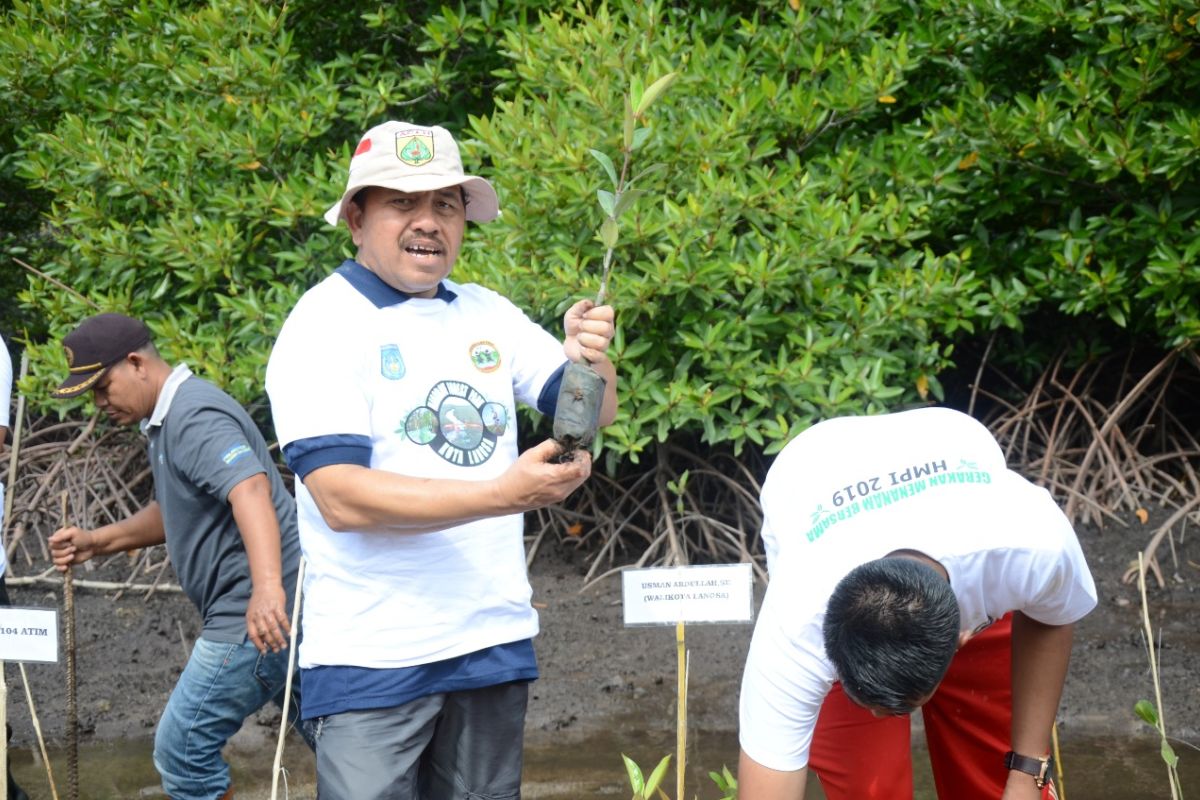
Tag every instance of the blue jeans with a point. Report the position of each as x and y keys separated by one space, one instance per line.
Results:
x=221 y=685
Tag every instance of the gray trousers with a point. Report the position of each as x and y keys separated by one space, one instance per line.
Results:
x=453 y=746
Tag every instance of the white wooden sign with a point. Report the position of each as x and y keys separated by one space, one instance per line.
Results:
x=667 y=595
x=29 y=634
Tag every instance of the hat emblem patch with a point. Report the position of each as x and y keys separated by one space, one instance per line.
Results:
x=415 y=147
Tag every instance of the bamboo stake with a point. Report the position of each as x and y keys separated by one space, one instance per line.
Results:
x=16 y=449
x=37 y=729
x=4 y=727
x=1058 y=765
x=1158 y=706
x=6 y=512
x=681 y=721
x=277 y=768
x=72 y=710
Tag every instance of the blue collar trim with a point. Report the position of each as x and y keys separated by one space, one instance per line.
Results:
x=372 y=287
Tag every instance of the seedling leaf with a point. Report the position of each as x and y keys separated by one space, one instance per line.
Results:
x=626 y=199
x=636 y=92
x=640 y=135
x=654 y=92
x=607 y=163
x=1146 y=711
x=609 y=232
x=650 y=170
x=608 y=201
x=1168 y=754
x=635 y=774
x=657 y=775
x=629 y=124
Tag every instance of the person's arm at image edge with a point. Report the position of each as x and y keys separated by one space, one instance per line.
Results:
x=756 y=782
x=72 y=545
x=1040 y=654
x=266 y=612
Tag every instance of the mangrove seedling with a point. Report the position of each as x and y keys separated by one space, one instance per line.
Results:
x=581 y=394
x=644 y=788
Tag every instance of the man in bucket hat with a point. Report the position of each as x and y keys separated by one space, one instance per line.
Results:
x=394 y=394
x=229 y=524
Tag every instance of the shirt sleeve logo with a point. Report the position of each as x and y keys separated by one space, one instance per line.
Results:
x=236 y=453
x=391 y=365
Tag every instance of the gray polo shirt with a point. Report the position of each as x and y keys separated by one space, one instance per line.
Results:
x=202 y=443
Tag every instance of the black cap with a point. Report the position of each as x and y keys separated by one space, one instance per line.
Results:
x=97 y=344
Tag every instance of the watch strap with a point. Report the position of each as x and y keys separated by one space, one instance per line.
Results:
x=1039 y=768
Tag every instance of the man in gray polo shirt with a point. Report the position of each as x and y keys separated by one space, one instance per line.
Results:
x=229 y=524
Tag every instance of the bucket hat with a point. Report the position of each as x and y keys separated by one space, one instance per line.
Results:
x=413 y=158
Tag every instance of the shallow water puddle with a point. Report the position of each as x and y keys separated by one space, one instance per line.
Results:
x=1094 y=767
x=591 y=768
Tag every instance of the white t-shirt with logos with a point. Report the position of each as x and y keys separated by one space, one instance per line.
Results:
x=853 y=489
x=433 y=386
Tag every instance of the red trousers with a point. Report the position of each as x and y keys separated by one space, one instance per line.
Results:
x=967 y=726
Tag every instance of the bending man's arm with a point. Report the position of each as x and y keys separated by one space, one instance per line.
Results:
x=356 y=498
x=266 y=612
x=73 y=545
x=756 y=782
x=1039 y=669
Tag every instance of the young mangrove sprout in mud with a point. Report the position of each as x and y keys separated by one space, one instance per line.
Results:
x=644 y=788
x=1152 y=714
x=582 y=392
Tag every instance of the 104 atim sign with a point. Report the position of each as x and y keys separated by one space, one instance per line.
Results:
x=29 y=634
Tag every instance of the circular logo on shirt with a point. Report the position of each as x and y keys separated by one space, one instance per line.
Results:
x=459 y=423
x=485 y=356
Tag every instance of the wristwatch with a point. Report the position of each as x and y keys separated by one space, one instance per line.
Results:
x=1039 y=768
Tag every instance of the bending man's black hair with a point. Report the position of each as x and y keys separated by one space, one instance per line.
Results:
x=891 y=628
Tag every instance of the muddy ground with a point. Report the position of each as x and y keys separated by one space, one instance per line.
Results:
x=599 y=676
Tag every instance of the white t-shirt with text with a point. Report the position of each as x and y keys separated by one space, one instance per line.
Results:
x=853 y=489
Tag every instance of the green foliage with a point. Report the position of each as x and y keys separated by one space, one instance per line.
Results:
x=644 y=788
x=850 y=191
x=189 y=150
x=726 y=782
x=1146 y=711
x=624 y=193
x=765 y=289
x=1077 y=123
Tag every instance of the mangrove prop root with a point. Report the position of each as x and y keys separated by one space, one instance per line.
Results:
x=1107 y=436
